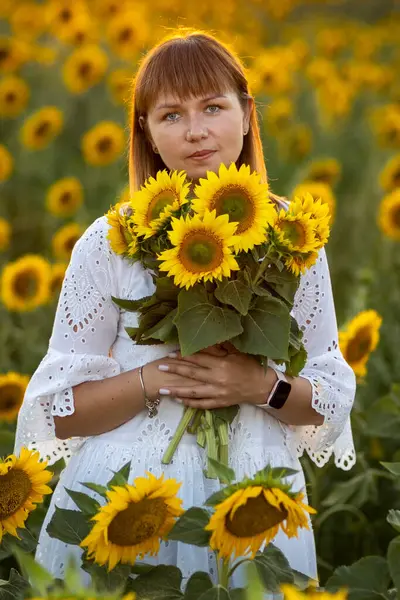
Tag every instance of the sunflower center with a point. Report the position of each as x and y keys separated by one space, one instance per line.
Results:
x=359 y=346
x=70 y=243
x=201 y=252
x=65 y=198
x=137 y=523
x=42 y=129
x=10 y=97
x=65 y=15
x=254 y=517
x=125 y=35
x=85 y=69
x=322 y=177
x=294 y=232
x=4 y=54
x=25 y=284
x=396 y=178
x=395 y=217
x=104 y=144
x=56 y=284
x=10 y=396
x=15 y=487
x=159 y=203
x=235 y=202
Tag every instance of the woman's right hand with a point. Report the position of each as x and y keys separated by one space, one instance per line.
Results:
x=154 y=379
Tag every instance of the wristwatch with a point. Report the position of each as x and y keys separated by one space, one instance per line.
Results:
x=279 y=393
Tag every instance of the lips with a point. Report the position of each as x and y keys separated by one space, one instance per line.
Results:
x=201 y=153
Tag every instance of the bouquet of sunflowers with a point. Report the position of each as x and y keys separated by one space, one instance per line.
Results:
x=226 y=262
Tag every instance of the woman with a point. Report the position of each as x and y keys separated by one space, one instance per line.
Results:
x=191 y=110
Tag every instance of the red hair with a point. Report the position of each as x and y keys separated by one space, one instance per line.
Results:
x=186 y=65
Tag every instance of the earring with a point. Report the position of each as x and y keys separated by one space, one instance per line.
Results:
x=246 y=131
x=155 y=149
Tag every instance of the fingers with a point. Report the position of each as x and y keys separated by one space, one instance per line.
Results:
x=202 y=359
x=190 y=392
x=185 y=370
x=205 y=403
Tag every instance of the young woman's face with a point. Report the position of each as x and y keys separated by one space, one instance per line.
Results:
x=199 y=134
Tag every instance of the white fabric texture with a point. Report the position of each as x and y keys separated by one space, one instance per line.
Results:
x=89 y=342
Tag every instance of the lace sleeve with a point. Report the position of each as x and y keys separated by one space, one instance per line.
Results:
x=332 y=379
x=84 y=329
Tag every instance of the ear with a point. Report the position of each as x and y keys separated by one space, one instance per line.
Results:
x=142 y=122
x=247 y=114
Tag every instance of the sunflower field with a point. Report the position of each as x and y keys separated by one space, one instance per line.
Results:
x=325 y=75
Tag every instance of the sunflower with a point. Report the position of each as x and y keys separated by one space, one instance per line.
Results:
x=202 y=249
x=240 y=195
x=296 y=143
x=6 y=163
x=127 y=33
x=84 y=68
x=5 y=234
x=40 y=128
x=121 y=235
x=359 y=339
x=108 y=9
x=12 y=390
x=65 y=239
x=25 y=283
x=13 y=54
x=318 y=191
x=83 y=29
x=251 y=513
x=61 y=15
x=119 y=85
x=292 y=593
x=14 y=96
x=133 y=521
x=390 y=175
x=22 y=486
x=278 y=115
x=57 y=278
x=319 y=213
x=103 y=144
x=64 y=197
x=326 y=171
x=330 y=42
x=319 y=70
x=27 y=21
x=269 y=75
x=299 y=263
x=295 y=231
x=158 y=198
x=385 y=123
x=389 y=215
x=335 y=100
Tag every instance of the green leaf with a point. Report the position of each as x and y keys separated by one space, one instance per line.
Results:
x=237 y=593
x=218 y=497
x=198 y=583
x=393 y=557
x=69 y=526
x=163 y=582
x=189 y=528
x=358 y=490
x=130 y=305
x=120 y=477
x=265 y=329
x=302 y=581
x=297 y=362
x=235 y=293
x=393 y=467
x=165 y=330
x=139 y=568
x=201 y=323
x=227 y=413
x=14 y=588
x=394 y=519
x=223 y=472
x=367 y=579
x=7 y=439
x=39 y=578
x=105 y=581
x=166 y=289
x=27 y=543
x=285 y=283
x=273 y=568
x=99 y=489
x=217 y=592
x=282 y=472
x=89 y=506
x=72 y=576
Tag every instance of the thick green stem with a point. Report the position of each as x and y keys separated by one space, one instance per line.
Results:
x=192 y=428
x=240 y=562
x=223 y=572
x=211 y=441
x=261 y=269
x=184 y=422
x=223 y=444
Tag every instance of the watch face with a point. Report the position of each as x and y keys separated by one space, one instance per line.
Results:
x=281 y=394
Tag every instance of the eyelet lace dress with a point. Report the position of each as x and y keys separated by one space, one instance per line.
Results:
x=89 y=343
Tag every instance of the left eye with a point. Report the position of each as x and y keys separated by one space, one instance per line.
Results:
x=213 y=106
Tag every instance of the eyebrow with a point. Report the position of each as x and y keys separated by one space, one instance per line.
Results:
x=160 y=106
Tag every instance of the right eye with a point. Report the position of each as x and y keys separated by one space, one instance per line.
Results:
x=168 y=115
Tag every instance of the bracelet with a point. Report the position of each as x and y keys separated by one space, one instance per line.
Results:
x=151 y=405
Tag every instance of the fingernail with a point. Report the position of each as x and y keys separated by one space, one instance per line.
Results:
x=164 y=392
x=173 y=355
x=163 y=367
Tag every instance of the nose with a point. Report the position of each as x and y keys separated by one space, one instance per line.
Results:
x=196 y=130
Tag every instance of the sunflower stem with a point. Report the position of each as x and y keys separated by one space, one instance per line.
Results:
x=180 y=430
x=264 y=264
x=194 y=425
x=223 y=572
x=240 y=562
x=223 y=444
x=211 y=441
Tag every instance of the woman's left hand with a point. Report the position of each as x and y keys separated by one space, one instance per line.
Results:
x=220 y=379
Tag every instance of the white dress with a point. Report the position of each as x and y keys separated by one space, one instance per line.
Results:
x=89 y=342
